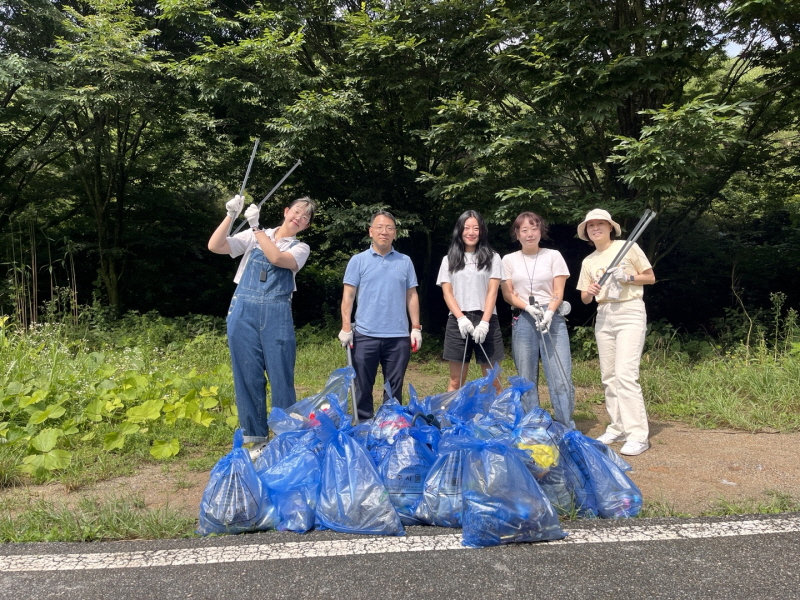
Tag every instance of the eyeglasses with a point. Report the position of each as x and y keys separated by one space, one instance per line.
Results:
x=300 y=215
x=381 y=228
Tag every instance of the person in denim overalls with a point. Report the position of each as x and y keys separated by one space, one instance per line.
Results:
x=260 y=326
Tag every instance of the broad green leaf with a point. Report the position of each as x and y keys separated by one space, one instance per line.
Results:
x=202 y=417
x=113 y=441
x=161 y=449
x=94 y=410
x=88 y=436
x=232 y=421
x=128 y=428
x=53 y=411
x=57 y=459
x=46 y=439
x=147 y=411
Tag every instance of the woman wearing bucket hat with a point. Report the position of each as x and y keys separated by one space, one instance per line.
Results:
x=620 y=327
x=534 y=281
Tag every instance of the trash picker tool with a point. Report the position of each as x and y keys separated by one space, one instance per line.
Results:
x=247 y=172
x=644 y=221
x=272 y=191
x=353 y=402
x=463 y=361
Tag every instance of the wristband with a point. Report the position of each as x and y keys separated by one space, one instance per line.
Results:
x=630 y=278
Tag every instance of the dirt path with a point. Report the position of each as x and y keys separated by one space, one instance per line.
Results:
x=687 y=470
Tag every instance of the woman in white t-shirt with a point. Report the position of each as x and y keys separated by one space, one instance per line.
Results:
x=620 y=327
x=260 y=326
x=470 y=276
x=534 y=285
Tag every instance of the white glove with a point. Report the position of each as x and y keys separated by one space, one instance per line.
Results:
x=544 y=324
x=416 y=340
x=346 y=338
x=465 y=327
x=234 y=206
x=251 y=214
x=536 y=312
x=618 y=273
x=480 y=332
x=614 y=289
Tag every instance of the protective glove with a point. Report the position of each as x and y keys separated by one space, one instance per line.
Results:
x=346 y=338
x=234 y=206
x=618 y=273
x=544 y=324
x=614 y=289
x=251 y=214
x=416 y=340
x=480 y=332
x=535 y=311
x=465 y=327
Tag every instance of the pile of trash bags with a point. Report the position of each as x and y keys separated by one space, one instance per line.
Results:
x=471 y=459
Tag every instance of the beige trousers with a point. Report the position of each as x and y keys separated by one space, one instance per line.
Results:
x=620 y=331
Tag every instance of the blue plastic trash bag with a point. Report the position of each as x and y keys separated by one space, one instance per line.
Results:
x=235 y=500
x=615 y=494
x=435 y=405
x=390 y=418
x=278 y=447
x=405 y=467
x=507 y=407
x=441 y=503
x=330 y=401
x=352 y=496
x=537 y=435
x=293 y=483
x=503 y=504
x=476 y=398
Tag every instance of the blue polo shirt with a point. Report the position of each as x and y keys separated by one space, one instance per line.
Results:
x=381 y=283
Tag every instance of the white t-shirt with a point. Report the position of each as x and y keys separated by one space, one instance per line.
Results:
x=594 y=267
x=469 y=284
x=245 y=242
x=533 y=274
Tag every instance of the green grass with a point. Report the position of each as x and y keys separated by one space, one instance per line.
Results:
x=92 y=520
x=776 y=502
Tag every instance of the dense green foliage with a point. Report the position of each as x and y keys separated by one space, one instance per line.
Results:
x=125 y=125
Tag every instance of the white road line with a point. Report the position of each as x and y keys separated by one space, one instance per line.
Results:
x=374 y=545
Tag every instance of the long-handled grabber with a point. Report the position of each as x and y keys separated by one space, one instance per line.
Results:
x=247 y=172
x=463 y=362
x=272 y=191
x=645 y=220
x=353 y=402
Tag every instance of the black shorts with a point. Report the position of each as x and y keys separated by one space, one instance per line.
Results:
x=454 y=343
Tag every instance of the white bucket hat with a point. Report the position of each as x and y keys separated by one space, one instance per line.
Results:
x=597 y=214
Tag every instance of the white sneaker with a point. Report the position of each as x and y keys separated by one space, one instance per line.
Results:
x=632 y=448
x=256 y=450
x=609 y=438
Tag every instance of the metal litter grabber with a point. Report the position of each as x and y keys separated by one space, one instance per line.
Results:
x=645 y=220
x=247 y=174
x=353 y=402
x=566 y=381
x=272 y=191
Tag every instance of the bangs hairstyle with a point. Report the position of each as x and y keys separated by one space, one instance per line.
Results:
x=528 y=217
x=309 y=205
x=483 y=251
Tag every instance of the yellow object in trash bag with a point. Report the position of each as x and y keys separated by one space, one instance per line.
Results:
x=544 y=454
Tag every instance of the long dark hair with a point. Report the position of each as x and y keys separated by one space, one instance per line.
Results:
x=483 y=251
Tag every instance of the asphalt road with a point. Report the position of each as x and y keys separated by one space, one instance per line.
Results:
x=731 y=557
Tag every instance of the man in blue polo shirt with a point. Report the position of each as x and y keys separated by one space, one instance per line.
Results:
x=385 y=285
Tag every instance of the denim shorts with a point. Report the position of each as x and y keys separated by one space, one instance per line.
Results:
x=454 y=343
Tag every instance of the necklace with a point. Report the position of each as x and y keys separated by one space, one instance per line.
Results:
x=530 y=274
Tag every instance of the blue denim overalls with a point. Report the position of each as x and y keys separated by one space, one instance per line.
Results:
x=261 y=338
